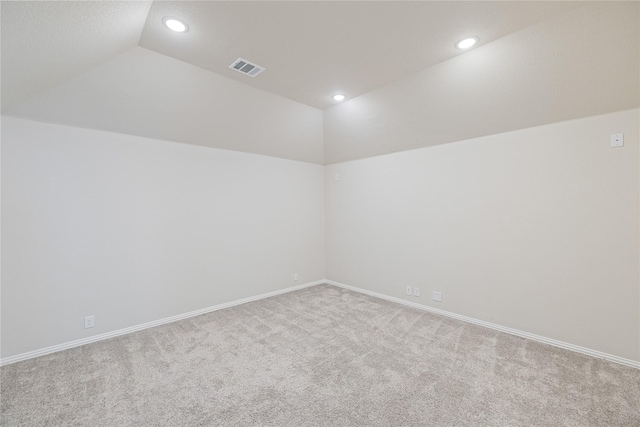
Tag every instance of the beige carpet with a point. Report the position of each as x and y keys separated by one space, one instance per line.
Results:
x=319 y=356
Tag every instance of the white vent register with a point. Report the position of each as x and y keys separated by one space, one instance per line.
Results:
x=245 y=67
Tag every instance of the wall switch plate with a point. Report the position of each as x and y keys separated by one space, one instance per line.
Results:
x=416 y=292
x=408 y=290
x=617 y=140
x=89 y=322
x=437 y=296
x=295 y=276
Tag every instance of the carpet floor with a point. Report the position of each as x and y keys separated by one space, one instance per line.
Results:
x=321 y=356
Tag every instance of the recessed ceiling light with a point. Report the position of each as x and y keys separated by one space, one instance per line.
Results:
x=338 y=97
x=467 y=43
x=175 y=25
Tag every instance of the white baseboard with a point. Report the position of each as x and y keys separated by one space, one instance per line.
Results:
x=556 y=343
x=107 y=335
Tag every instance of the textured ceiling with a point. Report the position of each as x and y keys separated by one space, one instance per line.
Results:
x=144 y=93
x=45 y=43
x=560 y=69
x=312 y=50
x=112 y=65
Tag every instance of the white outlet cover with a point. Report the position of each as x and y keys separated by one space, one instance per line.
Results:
x=89 y=322
x=437 y=296
x=408 y=290
x=295 y=276
x=617 y=140
x=337 y=177
x=416 y=292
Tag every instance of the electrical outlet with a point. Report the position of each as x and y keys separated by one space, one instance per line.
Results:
x=89 y=322
x=336 y=177
x=409 y=290
x=295 y=277
x=416 y=292
x=437 y=296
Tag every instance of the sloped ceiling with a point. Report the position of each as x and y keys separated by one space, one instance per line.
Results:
x=113 y=66
x=45 y=43
x=312 y=50
x=144 y=93
x=579 y=64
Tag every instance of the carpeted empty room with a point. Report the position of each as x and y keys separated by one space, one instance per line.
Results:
x=320 y=213
x=320 y=356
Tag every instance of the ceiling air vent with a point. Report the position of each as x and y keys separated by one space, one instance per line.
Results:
x=245 y=67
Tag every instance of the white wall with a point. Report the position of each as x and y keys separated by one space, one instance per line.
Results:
x=535 y=229
x=133 y=230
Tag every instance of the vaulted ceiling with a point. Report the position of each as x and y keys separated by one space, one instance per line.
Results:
x=114 y=66
x=311 y=50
